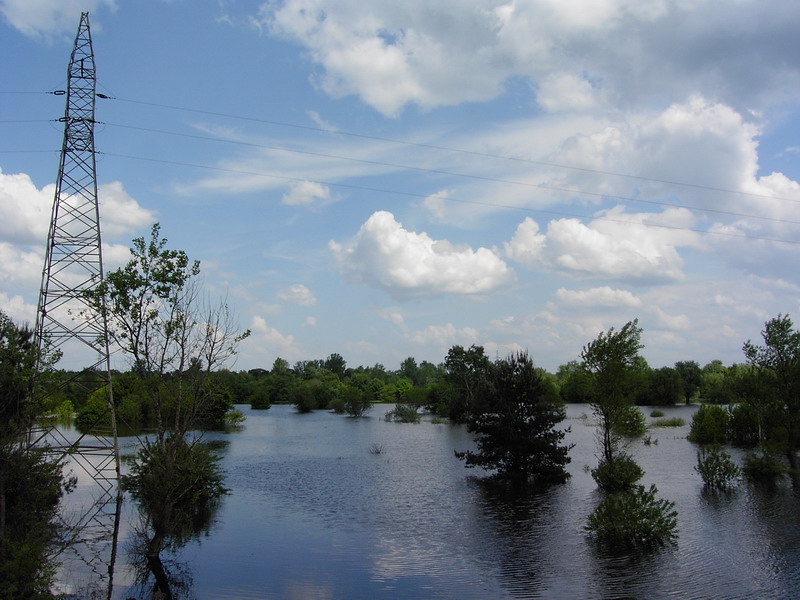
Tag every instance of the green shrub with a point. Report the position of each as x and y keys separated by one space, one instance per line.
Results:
x=743 y=425
x=657 y=413
x=763 y=467
x=710 y=425
x=630 y=422
x=259 y=399
x=673 y=422
x=635 y=519
x=618 y=474
x=716 y=468
x=356 y=402
x=234 y=418
x=403 y=413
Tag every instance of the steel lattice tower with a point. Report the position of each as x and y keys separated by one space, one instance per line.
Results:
x=73 y=265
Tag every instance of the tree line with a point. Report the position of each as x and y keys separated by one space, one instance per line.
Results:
x=178 y=343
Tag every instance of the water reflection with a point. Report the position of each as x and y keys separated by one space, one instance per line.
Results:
x=314 y=514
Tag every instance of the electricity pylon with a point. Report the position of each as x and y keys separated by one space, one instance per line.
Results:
x=73 y=266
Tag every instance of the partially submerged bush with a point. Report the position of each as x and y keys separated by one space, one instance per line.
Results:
x=673 y=422
x=716 y=468
x=618 y=474
x=763 y=467
x=403 y=413
x=710 y=425
x=657 y=413
x=635 y=519
x=630 y=422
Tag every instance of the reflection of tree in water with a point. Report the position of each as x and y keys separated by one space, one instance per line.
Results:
x=516 y=528
x=178 y=485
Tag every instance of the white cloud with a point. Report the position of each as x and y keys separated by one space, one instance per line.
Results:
x=304 y=193
x=405 y=264
x=633 y=51
x=621 y=247
x=298 y=294
x=120 y=214
x=49 y=18
x=445 y=335
x=272 y=341
x=27 y=210
x=598 y=297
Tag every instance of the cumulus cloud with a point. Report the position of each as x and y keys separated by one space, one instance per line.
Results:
x=392 y=54
x=27 y=210
x=405 y=264
x=273 y=341
x=618 y=245
x=304 y=193
x=298 y=294
x=49 y=18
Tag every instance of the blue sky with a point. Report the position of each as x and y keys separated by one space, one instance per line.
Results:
x=388 y=179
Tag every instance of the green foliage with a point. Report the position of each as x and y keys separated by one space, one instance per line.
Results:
x=516 y=432
x=776 y=402
x=691 y=377
x=31 y=484
x=619 y=474
x=673 y=422
x=634 y=520
x=665 y=387
x=575 y=383
x=743 y=425
x=403 y=413
x=234 y=418
x=716 y=468
x=468 y=371
x=356 y=402
x=629 y=422
x=657 y=413
x=94 y=413
x=177 y=484
x=709 y=425
x=259 y=398
x=763 y=467
x=614 y=362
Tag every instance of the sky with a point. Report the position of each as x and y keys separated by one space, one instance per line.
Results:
x=388 y=179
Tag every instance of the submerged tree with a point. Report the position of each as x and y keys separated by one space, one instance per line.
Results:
x=516 y=428
x=175 y=340
x=775 y=401
x=612 y=360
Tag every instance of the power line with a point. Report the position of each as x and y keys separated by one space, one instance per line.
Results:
x=453 y=173
x=449 y=198
x=448 y=149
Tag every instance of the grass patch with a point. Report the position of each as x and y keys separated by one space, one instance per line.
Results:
x=657 y=413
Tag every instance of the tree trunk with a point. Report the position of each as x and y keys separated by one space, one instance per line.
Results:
x=162 y=588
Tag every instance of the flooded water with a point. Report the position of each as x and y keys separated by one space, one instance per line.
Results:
x=323 y=506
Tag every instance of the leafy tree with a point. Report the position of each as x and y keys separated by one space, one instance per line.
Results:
x=575 y=383
x=666 y=386
x=777 y=362
x=356 y=401
x=31 y=483
x=517 y=435
x=175 y=340
x=710 y=425
x=336 y=364
x=612 y=360
x=468 y=371
x=691 y=378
